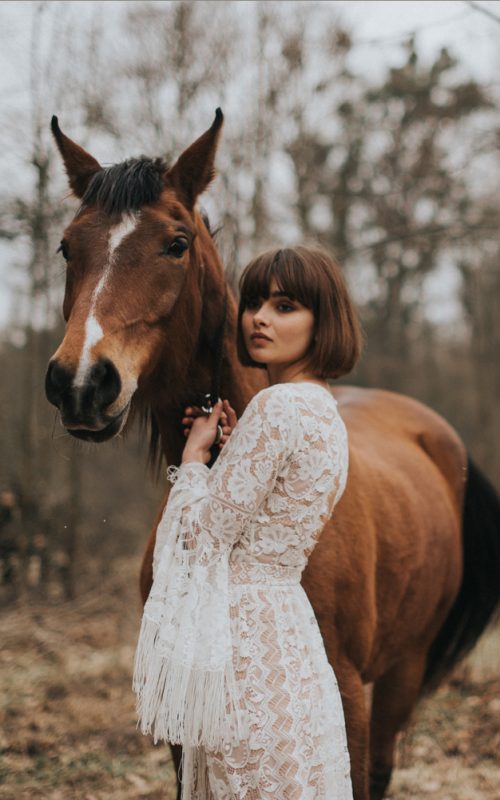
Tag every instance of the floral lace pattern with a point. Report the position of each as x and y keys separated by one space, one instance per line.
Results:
x=248 y=526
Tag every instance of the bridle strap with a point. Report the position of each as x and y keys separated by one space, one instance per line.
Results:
x=207 y=400
x=219 y=352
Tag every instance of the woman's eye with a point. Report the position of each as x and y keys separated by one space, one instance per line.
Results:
x=285 y=307
x=253 y=303
x=63 y=248
x=176 y=248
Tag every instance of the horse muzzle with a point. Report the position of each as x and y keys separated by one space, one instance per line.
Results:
x=84 y=406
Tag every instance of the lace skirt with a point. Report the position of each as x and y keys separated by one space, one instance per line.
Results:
x=295 y=747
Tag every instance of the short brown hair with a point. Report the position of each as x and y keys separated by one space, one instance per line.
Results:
x=311 y=276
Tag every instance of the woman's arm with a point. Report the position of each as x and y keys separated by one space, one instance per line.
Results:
x=183 y=673
x=215 y=505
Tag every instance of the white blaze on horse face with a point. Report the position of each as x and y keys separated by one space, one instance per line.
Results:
x=93 y=330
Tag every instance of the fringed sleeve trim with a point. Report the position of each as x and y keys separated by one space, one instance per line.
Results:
x=183 y=672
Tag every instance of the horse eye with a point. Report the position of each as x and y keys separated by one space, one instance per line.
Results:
x=177 y=248
x=63 y=248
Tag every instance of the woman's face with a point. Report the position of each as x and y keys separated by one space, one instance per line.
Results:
x=287 y=325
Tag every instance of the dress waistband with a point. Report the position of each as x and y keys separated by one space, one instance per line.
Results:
x=267 y=574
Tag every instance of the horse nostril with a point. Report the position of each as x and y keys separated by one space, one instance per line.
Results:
x=82 y=404
x=57 y=381
x=106 y=381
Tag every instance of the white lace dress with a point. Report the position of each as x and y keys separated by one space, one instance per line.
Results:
x=230 y=660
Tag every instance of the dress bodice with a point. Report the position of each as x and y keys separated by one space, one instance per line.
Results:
x=309 y=480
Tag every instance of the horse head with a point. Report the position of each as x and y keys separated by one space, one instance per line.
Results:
x=140 y=264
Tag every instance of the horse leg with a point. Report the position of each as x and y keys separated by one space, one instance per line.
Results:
x=176 y=750
x=394 y=697
x=357 y=726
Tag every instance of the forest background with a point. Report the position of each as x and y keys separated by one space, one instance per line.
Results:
x=395 y=170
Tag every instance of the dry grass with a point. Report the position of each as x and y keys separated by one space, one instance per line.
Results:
x=451 y=750
x=68 y=722
x=67 y=714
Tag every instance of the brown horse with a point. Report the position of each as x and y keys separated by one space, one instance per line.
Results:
x=406 y=576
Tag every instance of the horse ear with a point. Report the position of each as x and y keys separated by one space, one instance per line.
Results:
x=194 y=169
x=80 y=165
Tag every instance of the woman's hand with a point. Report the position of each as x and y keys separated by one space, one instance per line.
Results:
x=201 y=430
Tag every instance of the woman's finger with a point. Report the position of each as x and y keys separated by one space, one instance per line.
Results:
x=193 y=411
x=206 y=424
x=232 y=419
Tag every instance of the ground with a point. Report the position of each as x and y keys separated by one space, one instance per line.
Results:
x=67 y=717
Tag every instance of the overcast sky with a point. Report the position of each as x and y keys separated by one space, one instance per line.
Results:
x=453 y=24
x=378 y=29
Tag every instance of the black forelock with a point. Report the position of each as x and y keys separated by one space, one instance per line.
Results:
x=127 y=186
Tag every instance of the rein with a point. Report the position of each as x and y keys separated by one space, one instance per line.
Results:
x=207 y=400
x=219 y=353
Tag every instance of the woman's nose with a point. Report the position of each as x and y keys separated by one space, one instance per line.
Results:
x=260 y=317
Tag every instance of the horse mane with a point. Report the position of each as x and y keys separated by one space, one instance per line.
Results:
x=130 y=185
x=127 y=186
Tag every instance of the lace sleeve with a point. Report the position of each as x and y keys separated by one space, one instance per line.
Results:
x=183 y=669
x=216 y=504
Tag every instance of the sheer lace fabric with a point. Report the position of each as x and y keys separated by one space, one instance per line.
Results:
x=247 y=527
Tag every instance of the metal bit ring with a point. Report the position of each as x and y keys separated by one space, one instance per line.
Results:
x=207 y=406
x=219 y=434
x=207 y=409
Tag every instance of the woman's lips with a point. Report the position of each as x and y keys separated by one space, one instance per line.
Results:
x=260 y=338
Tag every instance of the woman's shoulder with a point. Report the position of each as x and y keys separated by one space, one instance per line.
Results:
x=291 y=401
x=290 y=391
x=309 y=405
x=272 y=409
x=298 y=412
x=266 y=400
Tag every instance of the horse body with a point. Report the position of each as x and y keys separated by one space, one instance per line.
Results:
x=388 y=566
x=143 y=302
x=396 y=533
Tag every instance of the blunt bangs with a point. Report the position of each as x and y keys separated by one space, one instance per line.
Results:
x=287 y=268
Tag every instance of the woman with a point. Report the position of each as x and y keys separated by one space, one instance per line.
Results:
x=230 y=661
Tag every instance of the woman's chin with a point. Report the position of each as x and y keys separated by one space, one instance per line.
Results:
x=258 y=358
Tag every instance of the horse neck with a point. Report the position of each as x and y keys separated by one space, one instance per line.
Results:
x=238 y=385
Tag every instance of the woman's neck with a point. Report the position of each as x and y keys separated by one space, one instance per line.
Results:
x=291 y=374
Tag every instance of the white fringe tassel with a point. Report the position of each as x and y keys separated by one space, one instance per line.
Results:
x=182 y=705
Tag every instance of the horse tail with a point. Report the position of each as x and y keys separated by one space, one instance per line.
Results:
x=478 y=599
